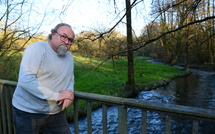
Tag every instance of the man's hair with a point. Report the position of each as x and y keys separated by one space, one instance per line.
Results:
x=54 y=30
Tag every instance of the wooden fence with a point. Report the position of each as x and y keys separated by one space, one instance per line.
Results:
x=169 y=110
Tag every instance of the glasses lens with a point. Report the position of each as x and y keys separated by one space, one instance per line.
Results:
x=64 y=38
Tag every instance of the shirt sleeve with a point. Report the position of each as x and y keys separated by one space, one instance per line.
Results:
x=72 y=81
x=32 y=58
x=71 y=84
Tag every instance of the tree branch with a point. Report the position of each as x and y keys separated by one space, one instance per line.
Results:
x=171 y=31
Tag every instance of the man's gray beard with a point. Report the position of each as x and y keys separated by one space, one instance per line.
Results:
x=61 y=50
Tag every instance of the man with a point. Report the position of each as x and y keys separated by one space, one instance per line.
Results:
x=45 y=85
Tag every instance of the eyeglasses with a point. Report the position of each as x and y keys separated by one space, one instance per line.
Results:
x=64 y=38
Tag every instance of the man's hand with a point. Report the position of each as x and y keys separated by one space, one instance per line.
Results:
x=66 y=94
x=66 y=103
x=66 y=98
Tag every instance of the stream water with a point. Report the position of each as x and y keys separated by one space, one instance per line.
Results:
x=196 y=90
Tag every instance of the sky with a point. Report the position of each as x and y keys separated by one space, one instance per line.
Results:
x=101 y=15
x=82 y=15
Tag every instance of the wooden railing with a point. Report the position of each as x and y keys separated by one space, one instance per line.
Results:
x=169 y=110
x=6 y=121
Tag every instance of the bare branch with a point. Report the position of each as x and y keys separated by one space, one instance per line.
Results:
x=167 y=8
x=171 y=31
x=117 y=23
x=155 y=39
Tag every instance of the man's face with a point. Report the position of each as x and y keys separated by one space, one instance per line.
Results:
x=63 y=39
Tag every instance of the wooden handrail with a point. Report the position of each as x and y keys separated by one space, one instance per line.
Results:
x=12 y=83
x=7 y=88
x=152 y=106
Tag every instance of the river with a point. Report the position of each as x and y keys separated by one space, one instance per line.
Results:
x=197 y=89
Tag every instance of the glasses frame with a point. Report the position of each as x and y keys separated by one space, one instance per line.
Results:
x=65 y=38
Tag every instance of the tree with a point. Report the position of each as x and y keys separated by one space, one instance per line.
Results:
x=130 y=83
x=186 y=31
x=11 y=33
x=86 y=44
x=17 y=29
x=114 y=44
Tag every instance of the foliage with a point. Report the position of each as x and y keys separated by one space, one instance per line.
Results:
x=190 y=44
x=10 y=66
x=11 y=58
x=90 y=44
x=18 y=30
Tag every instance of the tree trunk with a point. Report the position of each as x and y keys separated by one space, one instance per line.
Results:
x=130 y=83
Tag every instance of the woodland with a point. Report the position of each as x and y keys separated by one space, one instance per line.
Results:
x=181 y=32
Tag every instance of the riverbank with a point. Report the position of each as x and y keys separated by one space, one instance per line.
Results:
x=202 y=67
x=110 y=77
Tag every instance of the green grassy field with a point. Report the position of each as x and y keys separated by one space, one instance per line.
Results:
x=110 y=77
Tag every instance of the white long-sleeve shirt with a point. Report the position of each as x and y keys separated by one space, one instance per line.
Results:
x=42 y=75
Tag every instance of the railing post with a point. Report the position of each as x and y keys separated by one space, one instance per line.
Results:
x=3 y=111
x=144 y=122
x=6 y=118
x=168 y=124
x=104 y=119
x=195 y=127
x=89 y=117
x=8 y=101
x=76 y=128
x=2 y=119
x=122 y=116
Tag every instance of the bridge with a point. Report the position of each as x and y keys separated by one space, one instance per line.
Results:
x=169 y=110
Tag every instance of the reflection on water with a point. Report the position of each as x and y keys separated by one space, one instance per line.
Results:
x=196 y=90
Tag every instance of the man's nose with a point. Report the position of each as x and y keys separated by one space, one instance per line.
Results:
x=66 y=41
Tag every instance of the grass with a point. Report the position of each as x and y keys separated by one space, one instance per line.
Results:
x=9 y=65
x=110 y=77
